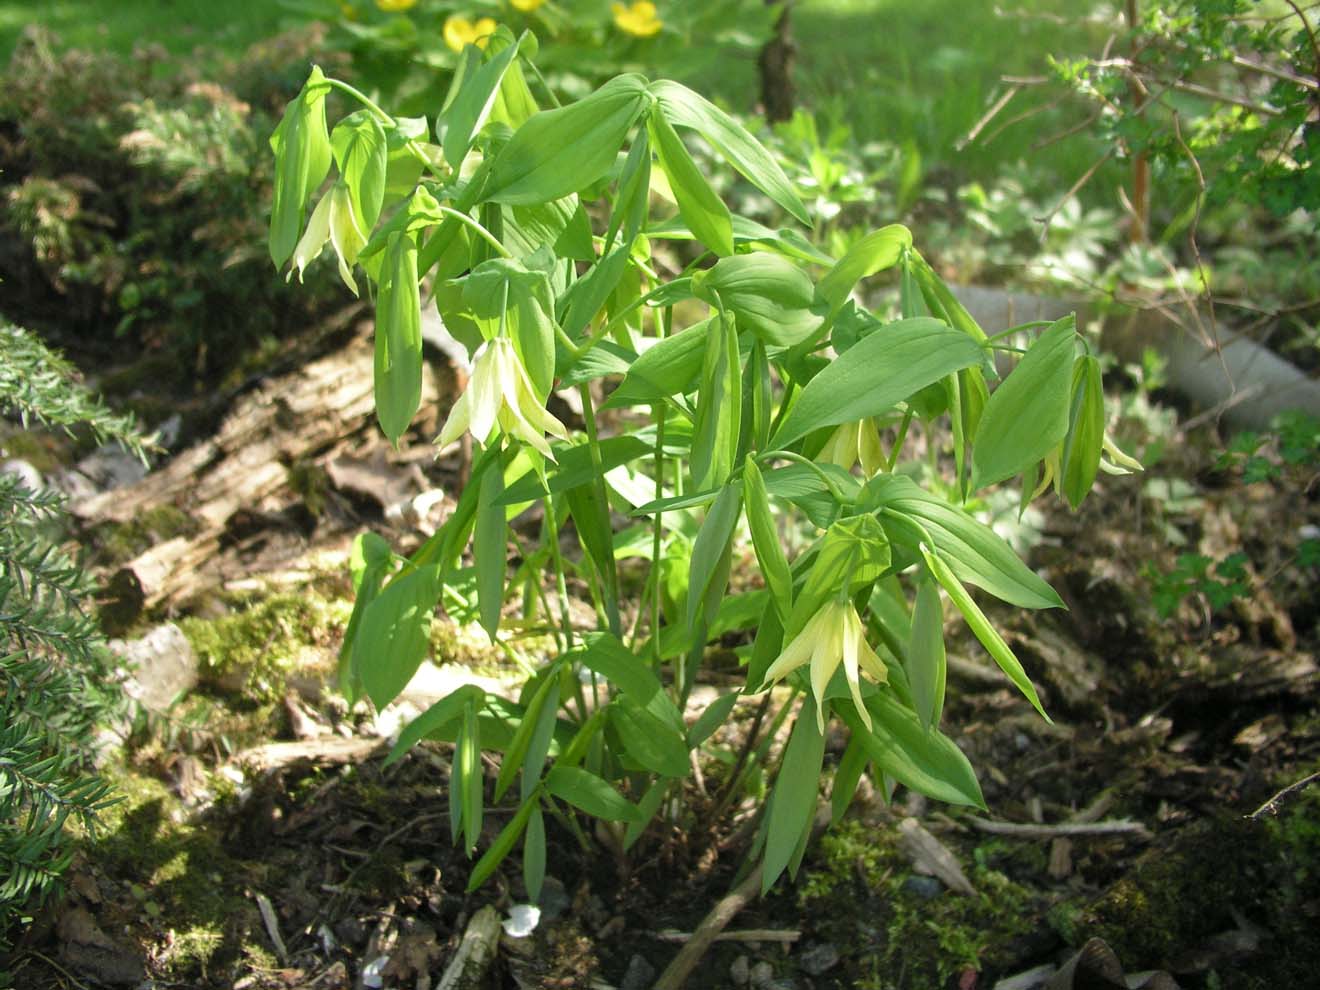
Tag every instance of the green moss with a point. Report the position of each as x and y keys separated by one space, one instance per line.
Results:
x=187 y=895
x=1212 y=873
x=120 y=542
x=311 y=484
x=264 y=641
x=899 y=939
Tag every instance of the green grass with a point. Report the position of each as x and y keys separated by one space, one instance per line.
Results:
x=923 y=74
x=119 y=25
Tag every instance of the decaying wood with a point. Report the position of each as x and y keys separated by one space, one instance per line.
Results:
x=331 y=749
x=678 y=970
x=470 y=967
x=1021 y=831
x=784 y=935
x=303 y=417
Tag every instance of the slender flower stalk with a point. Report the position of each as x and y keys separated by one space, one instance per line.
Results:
x=500 y=393
x=832 y=635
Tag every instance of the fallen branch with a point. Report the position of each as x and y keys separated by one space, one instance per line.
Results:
x=1271 y=807
x=1019 y=831
x=676 y=973
x=784 y=935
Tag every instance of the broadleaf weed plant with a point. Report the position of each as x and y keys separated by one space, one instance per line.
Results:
x=746 y=387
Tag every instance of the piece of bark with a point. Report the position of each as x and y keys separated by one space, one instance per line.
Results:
x=930 y=856
x=89 y=951
x=470 y=969
x=327 y=749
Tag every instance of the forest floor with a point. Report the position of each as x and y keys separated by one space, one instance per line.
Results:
x=261 y=842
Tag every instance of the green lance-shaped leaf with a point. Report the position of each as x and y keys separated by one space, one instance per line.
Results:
x=684 y=108
x=562 y=226
x=977 y=554
x=634 y=198
x=651 y=744
x=557 y=152
x=758 y=401
x=875 y=252
x=302 y=159
x=517 y=750
x=589 y=793
x=488 y=551
x=576 y=466
x=604 y=654
x=1027 y=415
x=538 y=748
x=982 y=629
x=396 y=634
x=929 y=762
x=927 y=662
x=719 y=408
x=793 y=803
x=534 y=854
x=715 y=715
x=590 y=293
x=468 y=112
x=668 y=368
x=939 y=300
x=1086 y=431
x=708 y=569
x=702 y=210
x=467 y=770
x=368 y=562
x=648 y=807
x=362 y=155
x=591 y=519
x=846 y=778
x=437 y=721
x=769 y=294
x=503 y=844
x=398 y=338
x=876 y=373
x=765 y=539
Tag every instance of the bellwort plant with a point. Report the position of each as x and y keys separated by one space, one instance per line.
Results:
x=736 y=398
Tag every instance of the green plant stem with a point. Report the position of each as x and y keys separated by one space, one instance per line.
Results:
x=661 y=412
x=899 y=440
x=478 y=229
x=551 y=523
x=413 y=147
x=825 y=479
x=611 y=576
x=581 y=350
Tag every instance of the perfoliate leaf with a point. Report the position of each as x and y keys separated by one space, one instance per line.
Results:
x=684 y=108
x=591 y=794
x=769 y=294
x=398 y=364
x=765 y=539
x=876 y=373
x=982 y=629
x=534 y=855
x=436 y=720
x=667 y=368
x=395 y=634
x=489 y=540
x=927 y=662
x=928 y=762
x=302 y=160
x=977 y=554
x=708 y=568
x=793 y=802
x=1084 y=443
x=1027 y=415
x=875 y=252
x=369 y=561
x=466 y=116
x=503 y=844
x=702 y=210
x=557 y=152
x=361 y=153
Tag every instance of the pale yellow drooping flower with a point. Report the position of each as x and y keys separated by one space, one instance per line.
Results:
x=832 y=636
x=638 y=18
x=854 y=442
x=500 y=392
x=332 y=221
x=459 y=31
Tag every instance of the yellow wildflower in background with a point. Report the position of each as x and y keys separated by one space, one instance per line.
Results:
x=526 y=6
x=460 y=31
x=395 y=6
x=638 y=18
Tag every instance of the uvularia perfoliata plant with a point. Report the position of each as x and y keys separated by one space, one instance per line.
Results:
x=747 y=387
